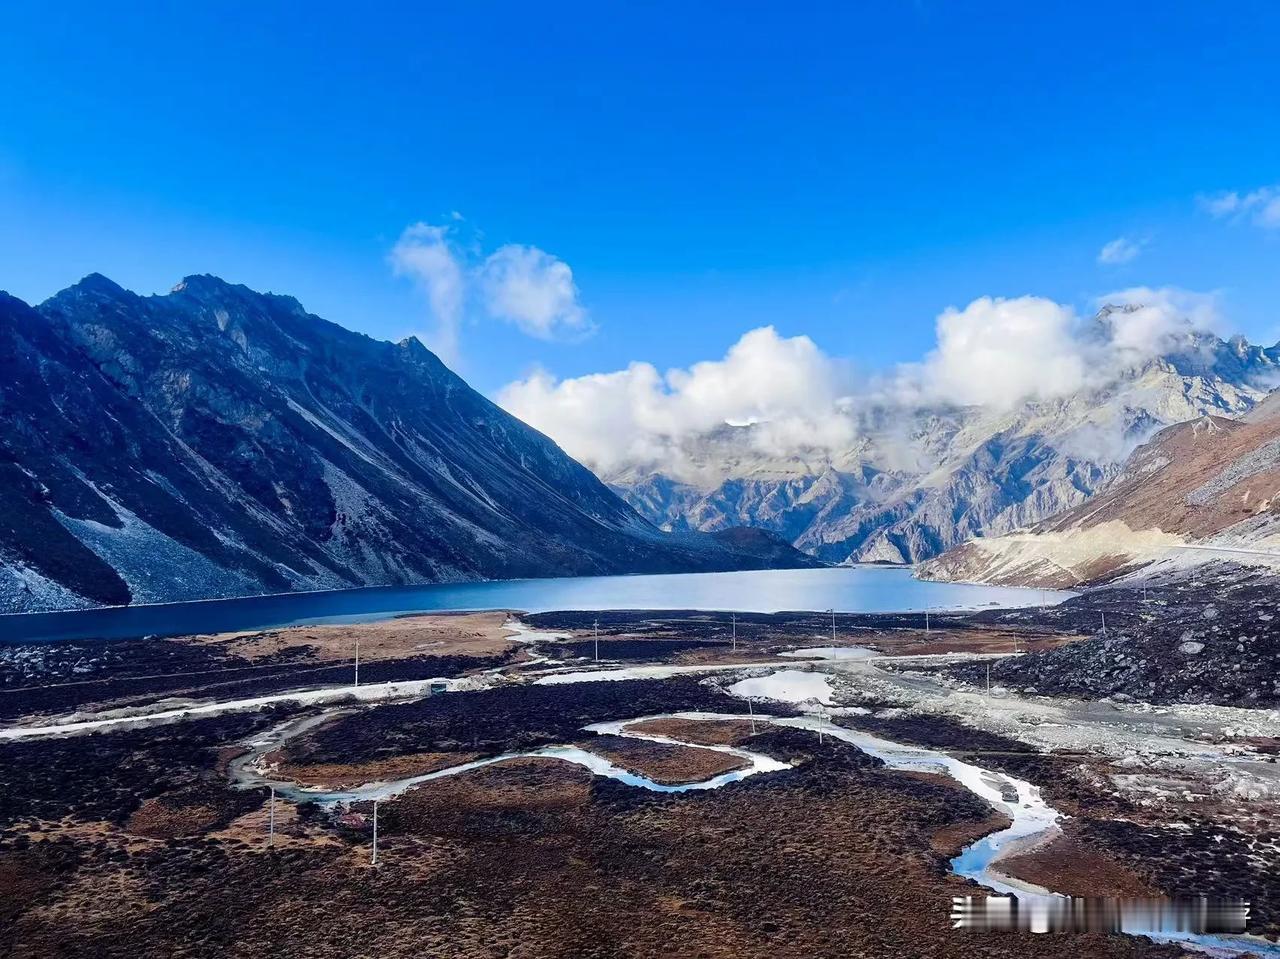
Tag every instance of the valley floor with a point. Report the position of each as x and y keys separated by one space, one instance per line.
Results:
x=157 y=835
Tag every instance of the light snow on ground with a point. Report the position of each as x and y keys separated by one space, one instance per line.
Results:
x=786 y=686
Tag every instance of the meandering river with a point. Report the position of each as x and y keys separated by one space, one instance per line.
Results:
x=1031 y=819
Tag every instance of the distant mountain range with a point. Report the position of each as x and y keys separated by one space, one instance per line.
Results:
x=215 y=441
x=1207 y=489
x=921 y=480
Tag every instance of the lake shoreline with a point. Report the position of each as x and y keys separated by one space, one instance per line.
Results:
x=867 y=589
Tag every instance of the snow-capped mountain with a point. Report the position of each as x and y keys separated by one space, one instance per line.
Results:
x=920 y=479
x=215 y=441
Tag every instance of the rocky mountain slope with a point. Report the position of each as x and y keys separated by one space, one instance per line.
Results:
x=216 y=441
x=1207 y=489
x=919 y=481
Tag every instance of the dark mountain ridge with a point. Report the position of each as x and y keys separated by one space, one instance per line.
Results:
x=216 y=441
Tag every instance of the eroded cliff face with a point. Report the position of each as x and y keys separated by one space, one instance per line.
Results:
x=217 y=441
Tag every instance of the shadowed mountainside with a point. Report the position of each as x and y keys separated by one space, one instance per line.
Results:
x=216 y=441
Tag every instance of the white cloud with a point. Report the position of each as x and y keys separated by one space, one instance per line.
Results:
x=1220 y=204
x=997 y=352
x=426 y=254
x=994 y=353
x=1002 y=352
x=1260 y=206
x=532 y=289
x=1119 y=251
x=522 y=285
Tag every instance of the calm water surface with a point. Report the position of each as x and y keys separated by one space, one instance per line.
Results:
x=860 y=589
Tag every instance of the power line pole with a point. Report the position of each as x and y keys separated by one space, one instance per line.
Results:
x=833 y=627
x=988 y=679
x=596 y=626
x=374 y=860
x=926 y=621
x=1104 y=622
x=735 y=632
x=357 y=661
x=752 y=713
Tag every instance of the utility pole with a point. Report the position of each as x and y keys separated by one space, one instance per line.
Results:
x=988 y=679
x=374 y=860
x=833 y=627
x=1104 y=622
x=752 y=713
x=596 y=626
x=735 y=632
x=271 y=819
x=357 y=660
x=926 y=621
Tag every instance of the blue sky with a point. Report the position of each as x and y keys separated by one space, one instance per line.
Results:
x=844 y=171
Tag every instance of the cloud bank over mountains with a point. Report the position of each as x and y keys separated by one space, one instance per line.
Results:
x=995 y=353
x=640 y=416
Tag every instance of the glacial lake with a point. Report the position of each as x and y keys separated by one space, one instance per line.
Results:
x=856 y=589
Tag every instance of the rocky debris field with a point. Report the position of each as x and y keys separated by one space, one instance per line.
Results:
x=1213 y=639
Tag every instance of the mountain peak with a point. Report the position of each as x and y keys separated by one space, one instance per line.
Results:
x=205 y=283
x=199 y=281
x=413 y=345
x=98 y=284
x=207 y=286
